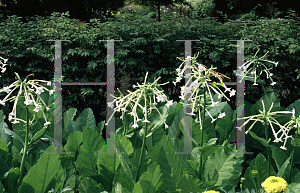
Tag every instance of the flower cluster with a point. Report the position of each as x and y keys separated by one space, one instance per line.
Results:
x=257 y=63
x=268 y=116
x=201 y=75
x=28 y=94
x=145 y=92
x=274 y=185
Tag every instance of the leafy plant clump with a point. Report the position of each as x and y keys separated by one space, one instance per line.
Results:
x=158 y=146
x=183 y=142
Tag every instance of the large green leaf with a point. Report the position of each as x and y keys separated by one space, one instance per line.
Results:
x=87 y=118
x=4 y=167
x=124 y=158
x=86 y=160
x=189 y=183
x=12 y=179
x=2 y=116
x=293 y=187
x=13 y=134
x=156 y=136
x=107 y=167
x=177 y=167
x=282 y=170
x=162 y=160
x=42 y=176
x=223 y=107
x=71 y=174
x=155 y=118
x=278 y=155
x=261 y=140
x=224 y=168
x=296 y=106
x=174 y=108
x=209 y=131
x=89 y=185
x=100 y=127
x=4 y=153
x=108 y=163
x=150 y=181
x=119 y=189
x=224 y=127
x=261 y=165
x=75 y=139
x=73 y=126
x=210 y=149
x=145 y=162
x=267 y=100
x=179 y=147
x=68 y=115
x=4 y=136
x=296 y=176
x=174 y=129
x=122 y=177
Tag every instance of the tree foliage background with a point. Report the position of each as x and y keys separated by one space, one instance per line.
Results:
x=77 y=8
x=84 y=10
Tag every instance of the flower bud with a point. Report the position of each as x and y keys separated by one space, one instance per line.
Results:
x=254 y=173
x=243 y=180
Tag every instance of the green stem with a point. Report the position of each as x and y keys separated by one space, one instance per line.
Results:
x=292 y=160
x=268 y=149
x=263 y=87
x=141 y=155
x=255 y=185
x=143 y=146
x=291 y=170
x=201 y=143
x=24 y=152
x=124 y=131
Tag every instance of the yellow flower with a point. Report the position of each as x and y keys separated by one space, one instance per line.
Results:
x=118 y=13
x=274 y=185
x=211 y=191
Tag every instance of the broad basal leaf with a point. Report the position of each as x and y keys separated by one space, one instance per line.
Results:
x=261 y=165
x=42 y=176
x=87 y=118
x=12 y=179
x=150 y=181
x=224 y=168
x=189 y=183
x=86 y=160
x=75 y=139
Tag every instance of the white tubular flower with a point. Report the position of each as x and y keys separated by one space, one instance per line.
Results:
x=169 y=103
x=3 y=69
x=268 y=116
x=257 y=65
x=28 y=102
x=145 y=92
x=232 y=93
x=200 y=77
x=28 y=95
x=221 y=115
x=110 y=104
x=135 y=125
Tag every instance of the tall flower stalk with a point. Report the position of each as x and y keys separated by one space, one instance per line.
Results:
x=294 y=122
x=144 y=94
x=267 y=118
x=29 y=94
x=200 y=75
